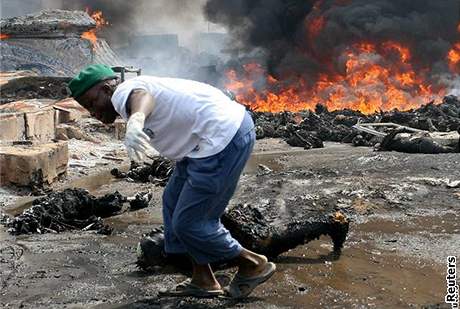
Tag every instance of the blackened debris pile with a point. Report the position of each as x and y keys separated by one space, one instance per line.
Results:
x=309 y=129
x=157 y=172
x=34 y=87
x=403 y=140
x=259 y=231
x=256 y=230
x=140 y=200
x=443 y=117
x=71 y=209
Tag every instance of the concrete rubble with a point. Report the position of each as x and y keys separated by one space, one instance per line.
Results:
x=31 y=120
x=50 y=43
x=21 y=165
x=23 y=85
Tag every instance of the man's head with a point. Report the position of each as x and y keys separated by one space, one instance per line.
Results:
x=93 y=88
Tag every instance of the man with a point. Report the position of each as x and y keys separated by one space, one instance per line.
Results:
x=211 y=138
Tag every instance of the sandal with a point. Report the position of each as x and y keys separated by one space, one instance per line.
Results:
x=187 y=288
x=242 y=287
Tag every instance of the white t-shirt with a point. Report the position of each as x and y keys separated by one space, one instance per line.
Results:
x=190 y=119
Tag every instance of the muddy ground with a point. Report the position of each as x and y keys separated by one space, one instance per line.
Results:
x=404 y=209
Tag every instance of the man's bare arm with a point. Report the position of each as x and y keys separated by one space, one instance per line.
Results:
x=140 y=101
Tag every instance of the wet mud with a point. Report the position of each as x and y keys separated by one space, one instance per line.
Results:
x=403 y=212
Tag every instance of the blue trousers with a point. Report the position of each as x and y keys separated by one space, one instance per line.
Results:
x=196 y=196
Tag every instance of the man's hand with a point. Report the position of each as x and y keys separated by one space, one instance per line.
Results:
x=136 y=141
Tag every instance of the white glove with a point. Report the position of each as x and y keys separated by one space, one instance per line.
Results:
x=136 y=141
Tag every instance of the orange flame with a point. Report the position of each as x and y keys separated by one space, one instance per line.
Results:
x=375 y=77
x=453 y=56
x=4 y=36
x=100 y=22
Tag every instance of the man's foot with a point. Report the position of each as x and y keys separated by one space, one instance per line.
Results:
x=243 y=286
x=251 y=264
x=206 y=284
x=204 y=278
x=187 y=288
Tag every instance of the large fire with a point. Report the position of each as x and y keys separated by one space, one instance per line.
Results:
x=374 y=77
x=100 y=22
x=4 y=36
x=454 y=55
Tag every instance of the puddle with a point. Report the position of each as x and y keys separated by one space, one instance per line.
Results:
x=366 y=275
x=99 y=183
x=273 y=160
x=95 y=181
x=92 y=183
x=362 y=277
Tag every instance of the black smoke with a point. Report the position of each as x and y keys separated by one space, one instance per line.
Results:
x=280 y=29
x=120 y=15
x=271 y=24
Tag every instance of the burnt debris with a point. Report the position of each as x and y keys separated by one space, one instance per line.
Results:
x=309 y=129
x=157 y=172
x=405 y=141
x=34 y=87
x=262 y=231
x=73 y=209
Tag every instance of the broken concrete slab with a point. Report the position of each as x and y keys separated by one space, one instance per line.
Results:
x=5 y=77
x=20 y=164
x=27 y=120
x=65 y=132
x=40 y=124
x=25 y=86
x=48 y=23
x=50 y=42
x=12 y=127
x=68 y=110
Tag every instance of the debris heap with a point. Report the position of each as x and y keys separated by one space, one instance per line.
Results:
x=308 y=129
x=157 y=172
x=50 y=42
x=73 y=209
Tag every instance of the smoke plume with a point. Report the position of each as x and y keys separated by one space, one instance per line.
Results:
x=400 y=48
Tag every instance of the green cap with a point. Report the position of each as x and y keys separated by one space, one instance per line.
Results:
x=89 y=77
